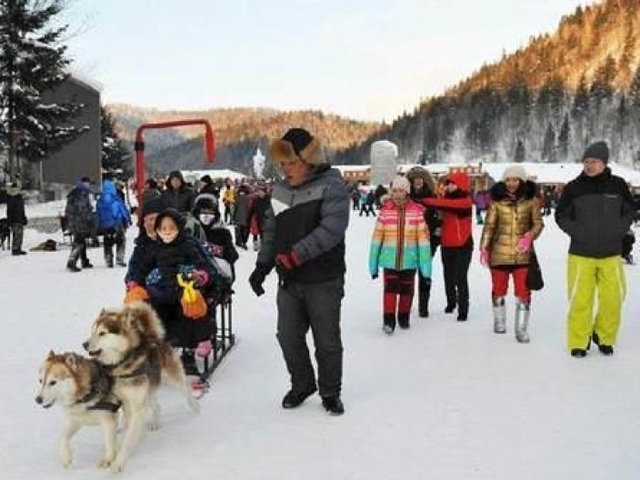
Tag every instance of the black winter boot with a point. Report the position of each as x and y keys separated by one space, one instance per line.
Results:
x=463 y=311
x=424 y=292
x=403 y=321
x=294 y=399
x=604 y=349
x=333 y=405
x=578 y=353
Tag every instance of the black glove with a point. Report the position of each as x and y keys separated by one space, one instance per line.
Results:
x=256 y=279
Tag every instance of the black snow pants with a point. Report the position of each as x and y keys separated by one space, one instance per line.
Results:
x=424 y=283
x=315 y=305
x=456 y=261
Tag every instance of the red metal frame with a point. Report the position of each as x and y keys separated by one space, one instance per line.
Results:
x=209 y=144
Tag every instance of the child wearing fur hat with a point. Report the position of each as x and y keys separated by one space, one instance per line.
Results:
x=513 y=222
x=400 y=245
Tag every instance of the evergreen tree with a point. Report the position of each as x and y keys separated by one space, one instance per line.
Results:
x=602 y=86
x=549 y=145
x=581 y=100
x=520 y=151
x=113 y=151
x=32 y=62
x=622 y=123
x=564 y=138
x=634 y=89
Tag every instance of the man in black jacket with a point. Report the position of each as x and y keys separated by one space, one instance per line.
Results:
x=303 y=237
x=16 y=217
x=595 y=210
x=178 y=194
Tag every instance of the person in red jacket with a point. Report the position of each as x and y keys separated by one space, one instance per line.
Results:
x=457 y=241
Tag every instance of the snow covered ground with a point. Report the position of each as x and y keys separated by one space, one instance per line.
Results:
x=444 y=400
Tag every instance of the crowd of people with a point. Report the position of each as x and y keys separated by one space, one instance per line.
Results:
x=298 y=228
x=596 y=210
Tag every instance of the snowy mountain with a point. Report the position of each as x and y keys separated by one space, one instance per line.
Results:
x=543 y=102
x=239 y=131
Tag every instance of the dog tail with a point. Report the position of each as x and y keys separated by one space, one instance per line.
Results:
x=146 y=319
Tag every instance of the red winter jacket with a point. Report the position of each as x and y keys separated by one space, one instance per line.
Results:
x=456 y=212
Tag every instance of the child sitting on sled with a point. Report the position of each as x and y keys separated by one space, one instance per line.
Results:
x=173 y=279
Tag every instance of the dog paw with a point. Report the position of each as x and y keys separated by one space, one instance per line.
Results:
x=194 y=404
x=153 y=426
x=105 y=463
x=65 y=459
x=117 y=466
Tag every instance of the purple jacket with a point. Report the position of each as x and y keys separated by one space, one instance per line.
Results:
x=482 y=200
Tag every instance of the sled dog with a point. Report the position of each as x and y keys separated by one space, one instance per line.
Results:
x=129 y=342
x=83 y=388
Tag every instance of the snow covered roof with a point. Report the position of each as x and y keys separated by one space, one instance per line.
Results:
x=84 y=79
x=540 y=172
x=191 y=175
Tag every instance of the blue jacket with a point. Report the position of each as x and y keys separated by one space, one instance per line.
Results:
x=111 y=210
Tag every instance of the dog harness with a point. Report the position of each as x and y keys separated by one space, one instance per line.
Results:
x=148 y=367
x=101 y=385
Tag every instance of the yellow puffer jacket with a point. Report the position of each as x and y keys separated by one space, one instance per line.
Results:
x=229 y=196
x=507 y=221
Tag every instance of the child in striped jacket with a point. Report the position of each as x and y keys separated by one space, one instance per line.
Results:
x=400 y=245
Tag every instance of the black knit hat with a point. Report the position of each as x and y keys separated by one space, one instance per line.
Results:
x=153 y=205
x=599 y=150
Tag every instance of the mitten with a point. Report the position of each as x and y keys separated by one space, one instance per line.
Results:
x=256 y=279
x=484 y=257
x=200 y=277
x=135 y=293
x=524 y=244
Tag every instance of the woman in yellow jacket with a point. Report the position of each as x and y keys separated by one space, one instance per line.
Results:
x=229 y=200
x=513 y=222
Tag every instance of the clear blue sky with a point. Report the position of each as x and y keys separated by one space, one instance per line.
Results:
x=367 y=59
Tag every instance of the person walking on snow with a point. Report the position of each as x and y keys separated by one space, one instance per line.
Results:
x=400 y=245
x=513 y=222
x=178 y=194
x=595 y=210
x=422 y=186
x=16 y=217
x=80 y=222
x=304 y=239
x=113 y=221
x=457 y=242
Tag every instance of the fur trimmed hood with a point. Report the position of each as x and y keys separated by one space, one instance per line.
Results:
x=526 y=190
x=419 y=172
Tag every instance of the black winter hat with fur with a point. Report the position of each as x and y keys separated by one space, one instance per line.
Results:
x=297 y=142
x=599 y=150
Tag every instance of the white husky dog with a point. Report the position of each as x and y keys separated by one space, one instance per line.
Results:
x=83 y=389
x=129 y=342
